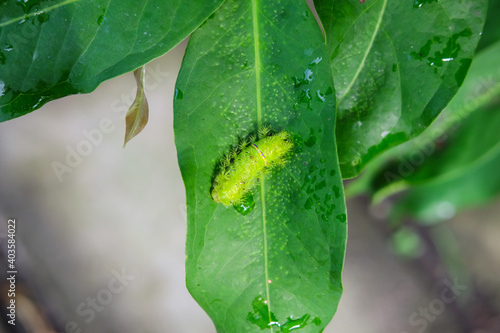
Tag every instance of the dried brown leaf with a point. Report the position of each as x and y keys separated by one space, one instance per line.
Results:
x=138 y=113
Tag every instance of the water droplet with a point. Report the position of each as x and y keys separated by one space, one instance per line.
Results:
x=2 y=88
x=311 y=141
x=309 y=51
x=449 y=52
x=8 y=47
x=316 y=61
x=27 y=4
x=305 y=97
x=41 y=101
x=328 y=198
x=308 y=75
x=309 y=204
x=293 y=324
x=41 y=17
x=320 y=185
x=100 y=19
x=246 y=206
x=261 y=316
x=419 y=3
x=341 y=217
x=319 y=96
x=178 y=94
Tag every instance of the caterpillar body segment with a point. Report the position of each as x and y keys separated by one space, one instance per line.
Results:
x=241 y=170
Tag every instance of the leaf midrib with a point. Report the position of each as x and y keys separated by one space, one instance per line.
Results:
x=258 y=98
x=365 y=56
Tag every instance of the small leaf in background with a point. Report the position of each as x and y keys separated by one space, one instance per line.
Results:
x=406 y=243
x=463 y=175
x=453 y=164
x=137 y=114
x=393 y=81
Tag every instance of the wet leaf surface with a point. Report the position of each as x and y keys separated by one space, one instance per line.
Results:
x=51 y=49
x=396 y=65
x=257 y=64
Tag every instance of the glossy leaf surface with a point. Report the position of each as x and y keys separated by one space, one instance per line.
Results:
x=396 y=64
x=51 y=49
x=452 y=165
x=278 y=267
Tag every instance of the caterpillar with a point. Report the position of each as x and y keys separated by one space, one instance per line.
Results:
x=241 y=168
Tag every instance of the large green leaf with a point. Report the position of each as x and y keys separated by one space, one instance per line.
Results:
x=396 y=64
x=50 y=49
x=451 y=165
x=258 y=63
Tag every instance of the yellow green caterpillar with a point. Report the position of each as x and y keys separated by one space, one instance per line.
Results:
x=241 y=169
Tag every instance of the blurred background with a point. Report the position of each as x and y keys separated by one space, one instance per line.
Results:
x=100 y=232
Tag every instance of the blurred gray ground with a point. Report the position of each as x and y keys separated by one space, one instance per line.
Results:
x=121 y=212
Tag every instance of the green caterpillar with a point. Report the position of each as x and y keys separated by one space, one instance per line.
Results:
x=242 y=168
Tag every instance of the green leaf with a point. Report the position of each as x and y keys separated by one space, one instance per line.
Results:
x=451 y=165
x=257 y=63
x=51 y=49
x=491 y=32
x=138 y=113
x=396 y=64
x=467 y=172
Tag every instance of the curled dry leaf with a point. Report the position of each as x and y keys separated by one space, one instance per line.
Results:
x=137 y=115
